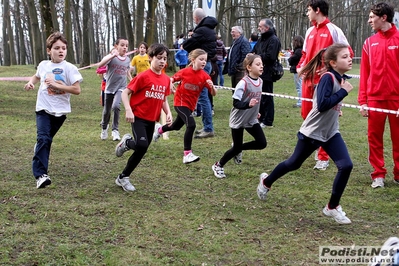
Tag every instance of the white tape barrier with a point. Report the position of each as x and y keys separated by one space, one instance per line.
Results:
x=387 y=111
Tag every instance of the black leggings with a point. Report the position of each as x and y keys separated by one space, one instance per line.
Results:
x=184 y=117
x=258 y=143
x=142 y=133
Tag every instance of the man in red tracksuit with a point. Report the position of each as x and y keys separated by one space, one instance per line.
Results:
x=322 y=34
x=379 y=88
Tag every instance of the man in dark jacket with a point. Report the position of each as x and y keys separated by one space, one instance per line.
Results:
x=204 y=37
x=237 y=53
x=268 y=47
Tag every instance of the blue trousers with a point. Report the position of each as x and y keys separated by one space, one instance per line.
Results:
x=47 y=126
x=335 y=148
x=205 y=104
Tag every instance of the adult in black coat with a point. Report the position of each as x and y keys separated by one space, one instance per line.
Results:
x=204 y=37
x=268 y=47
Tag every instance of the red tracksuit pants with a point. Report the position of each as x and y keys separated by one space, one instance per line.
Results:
x=376 y=127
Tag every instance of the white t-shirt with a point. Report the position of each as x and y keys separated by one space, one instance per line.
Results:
x=55 y=102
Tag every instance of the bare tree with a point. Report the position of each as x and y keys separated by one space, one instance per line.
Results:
x=67 y=21
x=86 y=40
x=37 y=43
x=6 y=37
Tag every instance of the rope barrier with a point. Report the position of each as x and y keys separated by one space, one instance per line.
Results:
x=381 y=110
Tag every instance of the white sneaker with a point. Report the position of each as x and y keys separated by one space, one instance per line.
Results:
x=378 y=182
x=189 y=158
x=262 y=125
x=338 y=215
x=115 y=135
x=262 y=190
x=43 y=181
x=321 y=165
x=156 y=134
x=218 y=170
x=121 y=147
x=104 y=134
x=125 y=183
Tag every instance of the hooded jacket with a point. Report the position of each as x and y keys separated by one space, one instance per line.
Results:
x=204 y=37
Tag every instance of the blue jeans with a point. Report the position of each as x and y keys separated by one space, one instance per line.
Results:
x=220 y=68
x=47 y=126
x=205 y=104
x=298 y=87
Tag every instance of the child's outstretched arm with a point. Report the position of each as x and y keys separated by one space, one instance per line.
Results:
x=106 y=58
x=126 y=103
x=31 y=83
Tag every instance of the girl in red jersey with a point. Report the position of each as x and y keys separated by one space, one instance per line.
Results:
x=147 y=93
x=192 y=80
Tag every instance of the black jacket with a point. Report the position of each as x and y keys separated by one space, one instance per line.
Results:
x=268 y=47
x=294 y=59
x=204 y=37
x=238 y=51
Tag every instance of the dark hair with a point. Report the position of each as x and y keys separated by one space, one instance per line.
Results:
x=321 y=4
x=297 y=42
x=156 y=49
x=54 y=37
x=254 y=36
x=323 y=56
x=381 y=9
x=118 y=39
x=143 y=43
x=249 y=59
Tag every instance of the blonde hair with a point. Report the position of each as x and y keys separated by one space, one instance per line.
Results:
x=194 y=54
x=249 y=59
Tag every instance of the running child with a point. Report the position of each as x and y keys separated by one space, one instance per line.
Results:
x=140 y=62
x=192 y=80
x=58 y=80
x=143 y=100
x=321 y=128
x=118 y=70
x=245 y=114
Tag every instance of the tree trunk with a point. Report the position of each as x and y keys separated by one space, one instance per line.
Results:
x=37 y=43
x=20 y=38
x=150 y=30
x=6 y=37
x=68 y=31
x=127 y=22
x=86 y=39
x=140 y=20
x=46 y=15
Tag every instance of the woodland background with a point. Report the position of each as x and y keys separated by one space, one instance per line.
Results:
x=91 y=26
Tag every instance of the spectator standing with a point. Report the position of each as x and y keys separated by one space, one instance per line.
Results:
x=181 y=57
x=268 y=47
x=220 y=55
x=322 y=34
x=253 y=40
x=204 y=37
x=237 y=53
x=297 y=44
x=379 y=79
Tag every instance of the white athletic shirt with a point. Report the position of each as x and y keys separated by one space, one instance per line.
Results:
x=56 y=102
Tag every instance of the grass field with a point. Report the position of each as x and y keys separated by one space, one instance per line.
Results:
x=180 y=214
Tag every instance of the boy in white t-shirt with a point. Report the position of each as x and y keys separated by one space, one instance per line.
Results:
x=58 y=80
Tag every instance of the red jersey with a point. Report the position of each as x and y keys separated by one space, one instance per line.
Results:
x=149 y=91
x=380 y=81
x=191 y=84
x=320 y=36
